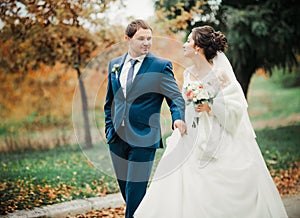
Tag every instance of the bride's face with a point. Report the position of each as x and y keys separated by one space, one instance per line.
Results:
x=189 y=47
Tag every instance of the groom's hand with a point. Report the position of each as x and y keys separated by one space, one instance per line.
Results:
x=180 y=124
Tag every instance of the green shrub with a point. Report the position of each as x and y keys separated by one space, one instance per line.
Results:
x=286 y=78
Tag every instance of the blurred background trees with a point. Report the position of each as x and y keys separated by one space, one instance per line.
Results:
x=261 y=34
x=37 y=33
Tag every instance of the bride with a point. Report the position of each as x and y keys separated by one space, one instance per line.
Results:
x=216 y=169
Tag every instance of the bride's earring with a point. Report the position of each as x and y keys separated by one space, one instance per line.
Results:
x=196 y=52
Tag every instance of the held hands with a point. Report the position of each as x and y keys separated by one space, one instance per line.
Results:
x=180 y=124
x=203 y=108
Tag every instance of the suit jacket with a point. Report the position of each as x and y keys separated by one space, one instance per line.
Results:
x=139 y=112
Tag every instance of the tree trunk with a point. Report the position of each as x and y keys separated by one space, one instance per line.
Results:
x=244 y=79
x=87 y=131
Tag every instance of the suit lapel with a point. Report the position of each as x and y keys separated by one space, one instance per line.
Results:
x=121 y=63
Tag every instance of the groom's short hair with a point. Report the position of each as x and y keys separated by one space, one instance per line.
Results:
x=135 y=25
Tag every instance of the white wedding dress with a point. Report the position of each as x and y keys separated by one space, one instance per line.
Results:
x=216 y=170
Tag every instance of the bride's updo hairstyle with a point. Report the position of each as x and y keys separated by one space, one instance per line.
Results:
x=209 y=40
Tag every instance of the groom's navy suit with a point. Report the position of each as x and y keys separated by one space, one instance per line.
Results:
x=132 y=123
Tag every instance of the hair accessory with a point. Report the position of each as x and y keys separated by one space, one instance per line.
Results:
x=213 y=37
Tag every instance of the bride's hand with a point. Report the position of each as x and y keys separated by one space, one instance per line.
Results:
x=203 y=108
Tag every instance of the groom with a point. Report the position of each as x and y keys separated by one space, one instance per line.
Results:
x=138 y=82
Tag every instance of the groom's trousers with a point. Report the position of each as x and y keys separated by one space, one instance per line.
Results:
x=132 y=166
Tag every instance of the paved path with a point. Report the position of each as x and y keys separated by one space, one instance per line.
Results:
x=292 y=206
x=62 y=210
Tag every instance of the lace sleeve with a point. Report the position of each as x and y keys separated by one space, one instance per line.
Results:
x=227 y=106
x=222 y=79
x=216 y=82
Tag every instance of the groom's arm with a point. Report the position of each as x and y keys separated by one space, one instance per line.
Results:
x=170 y=90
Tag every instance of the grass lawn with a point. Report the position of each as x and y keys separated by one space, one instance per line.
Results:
x=269 y=101
x=280 y=146
x=34 y=178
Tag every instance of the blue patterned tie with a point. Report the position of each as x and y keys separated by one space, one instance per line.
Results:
x=130 y=74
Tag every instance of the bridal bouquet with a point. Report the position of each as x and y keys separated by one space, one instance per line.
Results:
x=198 y=93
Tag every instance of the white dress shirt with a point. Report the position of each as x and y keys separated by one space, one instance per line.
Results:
x=125 y=69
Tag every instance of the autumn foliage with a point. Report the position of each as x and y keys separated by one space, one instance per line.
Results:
x=44 y=49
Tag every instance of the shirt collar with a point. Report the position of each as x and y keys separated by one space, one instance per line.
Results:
x=140 y=58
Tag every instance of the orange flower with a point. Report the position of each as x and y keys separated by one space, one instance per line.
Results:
x=190 y=94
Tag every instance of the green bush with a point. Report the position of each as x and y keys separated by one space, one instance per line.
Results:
x=286 y=78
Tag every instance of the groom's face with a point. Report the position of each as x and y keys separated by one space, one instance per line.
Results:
x=140 y=43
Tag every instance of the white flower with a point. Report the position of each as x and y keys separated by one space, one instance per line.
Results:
x=115 y=68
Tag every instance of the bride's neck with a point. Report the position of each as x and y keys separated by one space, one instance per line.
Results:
x=201 y=67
